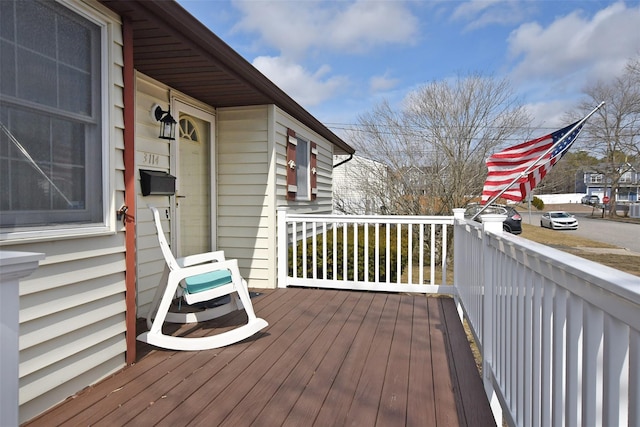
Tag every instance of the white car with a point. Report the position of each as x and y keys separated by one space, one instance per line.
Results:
x=558 y=220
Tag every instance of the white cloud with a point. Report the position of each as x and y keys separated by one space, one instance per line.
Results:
x=382 y=83
x=484 y=13
x=307 y=88
x=576 y=49
x=299 y=30
x=470 y=9
x=367 y=24
x=550 y=115
x=295 y=27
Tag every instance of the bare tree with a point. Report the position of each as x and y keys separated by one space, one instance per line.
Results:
x=435 y=146
x=567 y=176
x=359 y=186
x=613 y=132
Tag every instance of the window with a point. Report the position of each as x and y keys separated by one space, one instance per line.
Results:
x=51 y=126
x=188 y=130
x=596 y=178
x=301 y=168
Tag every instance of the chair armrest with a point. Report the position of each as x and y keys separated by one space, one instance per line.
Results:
x=201 y=258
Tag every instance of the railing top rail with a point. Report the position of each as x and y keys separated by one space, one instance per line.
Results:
x=433 y=219
x=566 y=265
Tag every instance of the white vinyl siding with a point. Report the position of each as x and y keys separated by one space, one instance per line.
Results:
x=351 y=181
x=72 y=308
x=246 y=211
x=252 y=184
x=71 y=319
x=324 y=167
x=152 y=153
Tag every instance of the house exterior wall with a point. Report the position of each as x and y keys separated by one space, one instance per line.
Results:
x=246 y=209
x=72 y=308
x=356 y=186
x=324 y=201
x=323 y=204
x=252 y=171
x=251 y=182
x=152 y=153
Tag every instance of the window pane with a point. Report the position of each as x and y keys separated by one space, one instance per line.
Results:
x=68 y=142
x=30 y=190
x=74 y=44
x=36 y=27
x=302 y=163
x=53 y=164
x=33 y=133
x=37 y=78
x=5 y=191
x=75 y=91
x=69 y=191
x=56 y=72
x=7 y=20
x=4 y=138
x=7 y=68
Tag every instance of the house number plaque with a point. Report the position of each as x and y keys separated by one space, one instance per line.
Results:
x=150 y=159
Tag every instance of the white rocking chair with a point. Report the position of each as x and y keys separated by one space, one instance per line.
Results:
x=198 y=278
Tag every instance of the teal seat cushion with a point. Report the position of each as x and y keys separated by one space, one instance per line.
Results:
x=206 y=281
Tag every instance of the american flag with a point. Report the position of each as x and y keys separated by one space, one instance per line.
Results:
x=509 y=164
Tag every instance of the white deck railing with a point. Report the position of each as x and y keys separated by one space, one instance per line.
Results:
x=559 y=335
x=328 y=251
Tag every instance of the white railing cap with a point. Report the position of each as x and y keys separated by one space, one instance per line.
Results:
x=493 y=222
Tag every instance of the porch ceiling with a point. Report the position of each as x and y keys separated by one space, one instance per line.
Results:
x=173 y=47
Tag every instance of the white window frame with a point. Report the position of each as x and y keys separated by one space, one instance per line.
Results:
x=107 y=225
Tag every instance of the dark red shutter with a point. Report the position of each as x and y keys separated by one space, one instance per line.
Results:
x=313 y=172
x=292 y=177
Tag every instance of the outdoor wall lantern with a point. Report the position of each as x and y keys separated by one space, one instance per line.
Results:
x=167 y=122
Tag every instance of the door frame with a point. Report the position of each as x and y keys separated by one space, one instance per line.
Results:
x=181 y=105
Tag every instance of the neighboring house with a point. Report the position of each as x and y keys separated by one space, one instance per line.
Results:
x=358 y=184
x=80 y=82
x=363 y=186
x=628 y=186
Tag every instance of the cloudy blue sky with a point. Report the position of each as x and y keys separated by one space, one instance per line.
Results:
x=339 y=58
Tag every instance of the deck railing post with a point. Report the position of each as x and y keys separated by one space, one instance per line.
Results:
x=458 y=257
x=490 y=224
x=13 y=267
x=282 y=247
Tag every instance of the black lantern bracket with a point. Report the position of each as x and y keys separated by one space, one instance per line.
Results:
x=167 y=122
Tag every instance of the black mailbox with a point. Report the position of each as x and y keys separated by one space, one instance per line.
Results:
x=157 y=183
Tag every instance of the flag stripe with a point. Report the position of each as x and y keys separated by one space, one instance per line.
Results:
x=507 y=165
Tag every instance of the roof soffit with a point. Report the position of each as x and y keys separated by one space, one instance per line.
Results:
x=173 y=47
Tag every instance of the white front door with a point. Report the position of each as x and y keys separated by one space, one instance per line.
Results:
x=195 y=181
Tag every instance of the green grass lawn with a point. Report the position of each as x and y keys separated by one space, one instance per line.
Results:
x=567 y=242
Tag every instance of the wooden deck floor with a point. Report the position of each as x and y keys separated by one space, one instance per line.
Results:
x=328 y=358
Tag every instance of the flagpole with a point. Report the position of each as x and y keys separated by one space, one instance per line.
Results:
x=530 y=168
